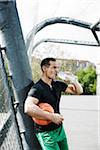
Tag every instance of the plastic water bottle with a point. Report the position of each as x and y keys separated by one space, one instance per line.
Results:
x=70 y=78
x=67 y=76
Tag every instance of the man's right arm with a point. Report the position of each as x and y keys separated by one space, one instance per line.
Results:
x=33 y=110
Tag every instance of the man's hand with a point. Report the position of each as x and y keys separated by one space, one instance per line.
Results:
x=71 y=89
x=57 y=118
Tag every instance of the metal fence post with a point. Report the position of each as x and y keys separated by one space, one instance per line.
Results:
x=20 y=68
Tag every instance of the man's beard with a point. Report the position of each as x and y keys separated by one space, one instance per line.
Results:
x=53 y=78
x=50 y=78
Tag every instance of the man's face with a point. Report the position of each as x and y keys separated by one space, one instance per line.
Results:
x=52 y=70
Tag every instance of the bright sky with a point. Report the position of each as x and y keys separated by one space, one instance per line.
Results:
x=32 y=12
x=35 y=11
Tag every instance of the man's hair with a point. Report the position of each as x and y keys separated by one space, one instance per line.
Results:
x=46 y=61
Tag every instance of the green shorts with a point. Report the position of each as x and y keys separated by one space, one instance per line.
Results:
x=53 y=140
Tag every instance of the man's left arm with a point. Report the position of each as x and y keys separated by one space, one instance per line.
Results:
x=74 y=88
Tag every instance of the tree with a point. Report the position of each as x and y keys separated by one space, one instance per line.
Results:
x=87 y=78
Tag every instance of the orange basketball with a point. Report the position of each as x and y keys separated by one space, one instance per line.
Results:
x=45 y=107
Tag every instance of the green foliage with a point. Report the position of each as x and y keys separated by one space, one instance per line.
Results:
x=87 y=78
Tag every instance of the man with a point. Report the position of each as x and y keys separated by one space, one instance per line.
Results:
x=48 y=90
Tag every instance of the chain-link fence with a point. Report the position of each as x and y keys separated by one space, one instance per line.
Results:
x=9 y=133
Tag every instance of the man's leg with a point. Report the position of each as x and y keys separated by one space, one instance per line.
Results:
x=53 y=140
x=47 y=142
x=62 y=139
x=63 y=144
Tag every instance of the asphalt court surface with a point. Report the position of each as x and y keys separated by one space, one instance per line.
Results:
x=81 y=121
